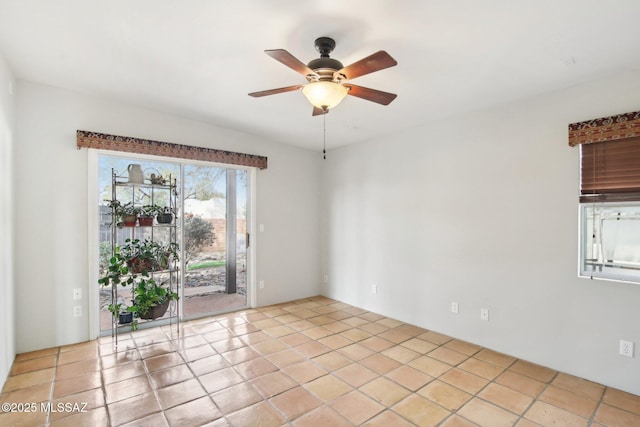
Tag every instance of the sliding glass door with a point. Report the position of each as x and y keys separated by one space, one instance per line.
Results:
x=212 y=214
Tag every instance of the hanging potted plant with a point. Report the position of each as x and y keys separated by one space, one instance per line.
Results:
x=150 y=299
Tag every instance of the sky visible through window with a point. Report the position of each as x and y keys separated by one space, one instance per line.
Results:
x=201 y=182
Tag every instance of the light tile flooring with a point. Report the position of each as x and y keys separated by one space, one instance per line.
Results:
x=312 y=362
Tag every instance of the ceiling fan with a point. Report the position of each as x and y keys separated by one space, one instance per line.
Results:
x=328 y=80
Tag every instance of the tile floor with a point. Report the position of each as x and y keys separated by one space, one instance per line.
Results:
x=312 y=362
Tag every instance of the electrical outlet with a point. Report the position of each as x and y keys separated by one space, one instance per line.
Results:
x=326 y=278
x=77 y=293
x=77 y=311
x=454 y=307
x=484 y=314
x=374 y=289
x=261 y=284
x=626 y=348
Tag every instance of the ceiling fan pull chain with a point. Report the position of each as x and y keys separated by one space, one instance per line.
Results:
x=324 y=136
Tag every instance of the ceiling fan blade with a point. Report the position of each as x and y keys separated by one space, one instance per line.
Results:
x=290 y=61
x=373 y=95
x=275 y=91
x=375 y=62
x=318 y=111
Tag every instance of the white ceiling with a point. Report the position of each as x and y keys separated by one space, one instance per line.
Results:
x=200 y=58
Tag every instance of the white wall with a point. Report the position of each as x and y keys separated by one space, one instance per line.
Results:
x=7 y=107
x=51 y=206
x=482 y=209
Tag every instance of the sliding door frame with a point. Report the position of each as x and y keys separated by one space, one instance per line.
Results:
x=94 y=234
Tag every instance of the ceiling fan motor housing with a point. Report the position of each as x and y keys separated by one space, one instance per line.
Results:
x=325 y=66
x=325 y=45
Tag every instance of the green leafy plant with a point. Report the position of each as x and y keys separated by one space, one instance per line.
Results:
x=147 y=213
x=123 y=209
x=125 y=214
x=130 y=266
x=148 y=255
x=150 y=210
x=117 y=273
x=148 y=294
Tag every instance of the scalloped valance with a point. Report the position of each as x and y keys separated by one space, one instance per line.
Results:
x=613 y=128
x=127 y=144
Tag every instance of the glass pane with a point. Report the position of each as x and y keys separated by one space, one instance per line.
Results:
x=139 y=196
x=241 y=232
x=211 y=280
x=611 y=241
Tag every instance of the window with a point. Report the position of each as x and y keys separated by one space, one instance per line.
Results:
x=610 y=210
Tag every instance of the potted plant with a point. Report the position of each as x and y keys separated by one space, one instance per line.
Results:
x=147 y=213
x=127 y=213
x=124 y=316
x=165 y=216
x=148 y=255
x=150 y=299
x=131 y=265
x=139 y=255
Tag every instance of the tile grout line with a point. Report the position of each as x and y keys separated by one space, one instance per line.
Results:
x=521 y=417
x=306 y=358
x=102 y=381
x=51 y=390
x=310 y=359
x=591 y=419
x=332 y=372
x=455 y=411
x=148 y=376
x=217 y=353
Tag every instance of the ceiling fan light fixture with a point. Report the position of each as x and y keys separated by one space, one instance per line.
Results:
x=325 y=94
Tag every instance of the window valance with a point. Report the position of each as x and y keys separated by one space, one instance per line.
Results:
x=167 y=149
x=613 y=128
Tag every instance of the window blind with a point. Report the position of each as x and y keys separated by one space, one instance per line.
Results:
x=610 y=171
